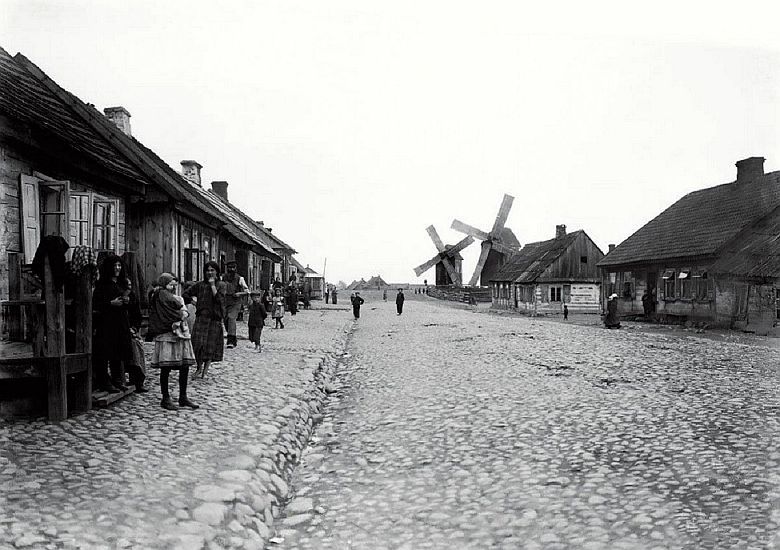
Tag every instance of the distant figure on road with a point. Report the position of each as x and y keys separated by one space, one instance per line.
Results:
x=565 y=312
x=235 y=290
x=277 y=311
x=612 y=319
x=647 y=304
x=384 y=295
x=357 y=301
x=257 y=315
x=399 y=301
x=327 y=294
x=335 y=296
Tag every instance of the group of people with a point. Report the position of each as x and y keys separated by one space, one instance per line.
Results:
x=187 y=330
x=356 y=300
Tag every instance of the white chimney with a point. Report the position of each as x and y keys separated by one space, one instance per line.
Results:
x=190 y=169
x=120 y=117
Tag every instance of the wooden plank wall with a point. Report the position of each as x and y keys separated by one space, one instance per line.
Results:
x=11 y=165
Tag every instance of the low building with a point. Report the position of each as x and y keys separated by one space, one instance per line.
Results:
x=544 y=275
x=712 y=257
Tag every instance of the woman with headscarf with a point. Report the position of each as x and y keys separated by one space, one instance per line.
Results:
x=172 y=345
x=112 y=344
x=207 y=335
x=612 y=319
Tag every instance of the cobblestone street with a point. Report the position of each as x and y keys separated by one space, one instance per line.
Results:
x=137 y=476
x=469 y=430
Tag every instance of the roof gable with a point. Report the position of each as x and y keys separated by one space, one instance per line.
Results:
x=534 y=258
x=700 y=223
x=25 y=96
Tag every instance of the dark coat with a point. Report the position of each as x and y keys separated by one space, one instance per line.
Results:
x=112 y=337
x=357 y=301
x=257 y=314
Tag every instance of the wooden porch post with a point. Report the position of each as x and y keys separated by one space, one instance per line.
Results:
x=54 y=346
x=82 y=309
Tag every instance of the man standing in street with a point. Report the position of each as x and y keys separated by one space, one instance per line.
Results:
x=327 y=293
x=235 y=290
x=399 y=301
x=334 y=294
x=357 y=301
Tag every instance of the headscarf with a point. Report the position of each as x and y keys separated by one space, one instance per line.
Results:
x=164 y=307
x=164 y=279
x=107 y=270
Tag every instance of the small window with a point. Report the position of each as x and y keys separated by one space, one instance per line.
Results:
x=555 y=294
x=669 y=283
x=583 y=259
x=104 y=225
x=79 y=220
x=686 y=285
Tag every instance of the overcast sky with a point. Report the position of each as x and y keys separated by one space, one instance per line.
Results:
x=349 y=127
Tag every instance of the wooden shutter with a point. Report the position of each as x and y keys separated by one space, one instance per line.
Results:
x=30 y=216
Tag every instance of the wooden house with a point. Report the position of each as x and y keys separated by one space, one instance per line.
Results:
x=711 y=257
x=314 y=282
x=66 y=169
x=544 y=275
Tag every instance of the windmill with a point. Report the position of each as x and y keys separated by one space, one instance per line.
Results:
x=496 y=244
x=446 y=255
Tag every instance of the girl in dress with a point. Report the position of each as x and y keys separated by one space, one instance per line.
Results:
x=172 y=343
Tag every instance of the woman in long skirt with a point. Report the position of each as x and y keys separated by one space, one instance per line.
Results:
x=207 y=335
x=172 y=345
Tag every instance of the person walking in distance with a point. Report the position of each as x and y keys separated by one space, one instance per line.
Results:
x=334 y=296
x=257 y=315
x=172 y=340
x=327 y=293
x=399 y=301
x=384 y=294
x=565 y=312
x=235 y=290
x=207 y=332
x=277 y=311
x=357 y=301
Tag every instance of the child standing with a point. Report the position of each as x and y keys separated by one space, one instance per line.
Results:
x=278 y=308
x=257 y=315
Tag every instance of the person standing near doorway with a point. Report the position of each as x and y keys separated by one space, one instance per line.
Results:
x=235 y=290
x=399 y=301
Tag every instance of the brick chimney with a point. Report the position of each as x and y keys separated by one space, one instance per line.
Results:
x=190 y=169
x=611 y=248
x=220 y=188
x=560 y=231
x=120 y=117
x=749 y=169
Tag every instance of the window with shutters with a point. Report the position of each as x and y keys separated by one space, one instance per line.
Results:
x=54 y=213
x=79 y=219
x=104 y=225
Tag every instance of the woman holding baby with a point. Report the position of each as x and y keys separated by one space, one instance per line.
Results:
x=172 y=342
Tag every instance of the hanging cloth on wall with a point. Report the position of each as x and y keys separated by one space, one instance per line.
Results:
x=54 y=247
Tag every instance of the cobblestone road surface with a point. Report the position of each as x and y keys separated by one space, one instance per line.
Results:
x=454 y=429
x=137 y=476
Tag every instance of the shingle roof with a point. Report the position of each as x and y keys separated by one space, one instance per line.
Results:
x=533 y=259
x=700 y=223
x=25 y=98
x=755 y=252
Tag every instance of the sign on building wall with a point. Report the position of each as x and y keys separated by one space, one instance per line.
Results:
x=584 y=294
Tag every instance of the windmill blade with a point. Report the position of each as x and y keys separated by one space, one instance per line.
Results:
x=504 y=249
x=459 y=246
x=458 y=225
x=451 y=271
x=503 y=214
x=435 y=238
x=422 y=268
x=486 y=246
